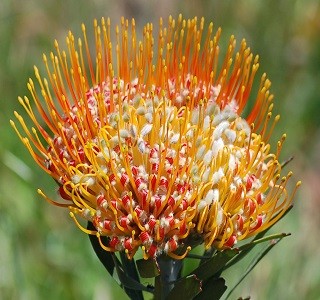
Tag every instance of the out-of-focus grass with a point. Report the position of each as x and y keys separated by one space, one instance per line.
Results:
x=43 y=255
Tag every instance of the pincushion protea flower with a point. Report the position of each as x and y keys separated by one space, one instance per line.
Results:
x=147 y=141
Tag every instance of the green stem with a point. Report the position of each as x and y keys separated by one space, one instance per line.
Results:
x=170 y=272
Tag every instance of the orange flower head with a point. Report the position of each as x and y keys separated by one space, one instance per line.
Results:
x=147 y=142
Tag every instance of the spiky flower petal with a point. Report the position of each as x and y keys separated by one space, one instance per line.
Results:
x=146 y=139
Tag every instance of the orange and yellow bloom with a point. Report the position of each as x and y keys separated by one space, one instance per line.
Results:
x=146 y=138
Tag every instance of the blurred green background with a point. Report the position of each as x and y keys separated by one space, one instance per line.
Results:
x=44 y=256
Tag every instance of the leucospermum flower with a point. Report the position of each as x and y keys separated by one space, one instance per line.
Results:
x=147 y=141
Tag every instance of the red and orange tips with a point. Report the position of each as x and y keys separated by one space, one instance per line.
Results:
x=146 y=139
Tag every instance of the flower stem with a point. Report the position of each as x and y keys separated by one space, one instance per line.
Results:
x=170 y=272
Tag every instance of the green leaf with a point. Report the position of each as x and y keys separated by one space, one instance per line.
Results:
x=186 y=288
x=245 y=249
x=130 y=270
x=157 y=288
x=264 y=239
x=147 y=268
x=127 y=281
x=254 y=262
x=214 y=265
x=104 y=256
x=212 y=289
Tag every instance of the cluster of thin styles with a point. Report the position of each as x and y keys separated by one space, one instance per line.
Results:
x=159 y=153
